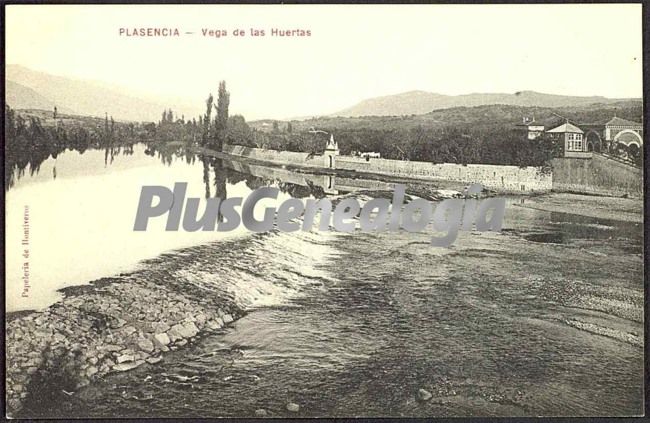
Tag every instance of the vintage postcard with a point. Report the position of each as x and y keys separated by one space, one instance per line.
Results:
x=269 y=211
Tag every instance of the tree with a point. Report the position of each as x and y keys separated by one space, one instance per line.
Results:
x=221 y=120
x=206 y=121
x=10 y=125
x=238 y=132
x=289 y=127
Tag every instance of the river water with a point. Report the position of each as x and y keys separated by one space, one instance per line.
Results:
x=544 y=318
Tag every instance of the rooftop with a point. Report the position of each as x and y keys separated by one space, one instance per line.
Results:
x=566 y=127
x=617 y=121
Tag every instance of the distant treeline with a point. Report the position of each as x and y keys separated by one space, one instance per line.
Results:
x=32 y=138
x=483 y=134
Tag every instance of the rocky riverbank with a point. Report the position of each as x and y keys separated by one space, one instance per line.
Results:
x=112 y=325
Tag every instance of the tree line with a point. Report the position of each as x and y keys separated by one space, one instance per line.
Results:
x=484 y=134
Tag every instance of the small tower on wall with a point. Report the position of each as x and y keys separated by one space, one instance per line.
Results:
x=331 y=151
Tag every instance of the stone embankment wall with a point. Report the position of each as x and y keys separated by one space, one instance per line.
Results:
x=113 y=325
x=598 y=175
x=495 y=177
x=284 y=157
x=500 y=178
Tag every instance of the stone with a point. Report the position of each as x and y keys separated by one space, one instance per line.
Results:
x=125 y=357
x=128 y=330
x=148 y=327
x=227 y=318
x=162 y=339
x=117 y=323
x=91 y=371
x=215 y=324
x=260 y=412
x=110 y=347
x=122 y=367
x=293 y=407
x=181 y=342
x=180 y=331
x=200 y=318
x=176 y=332
x=424 y=395
x=145 y=345
x=160 y=327
x=190 y=329
x=154 y=360
x=33 y=362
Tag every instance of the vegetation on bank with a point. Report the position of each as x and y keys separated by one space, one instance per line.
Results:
x=482 y=134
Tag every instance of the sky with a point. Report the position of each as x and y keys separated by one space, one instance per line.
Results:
x=354 y=51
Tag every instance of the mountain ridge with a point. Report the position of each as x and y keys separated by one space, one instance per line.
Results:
x=419 y=102
x=85 y=97
x=30 y=89
x=19 y=96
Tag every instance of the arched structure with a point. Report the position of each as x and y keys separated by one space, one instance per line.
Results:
x=593 y=140
x=628 y=137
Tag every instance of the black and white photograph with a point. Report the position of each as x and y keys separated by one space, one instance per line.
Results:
x=323 y=210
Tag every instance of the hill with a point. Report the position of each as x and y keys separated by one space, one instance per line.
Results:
x=421 y=102
x=21 y=97
x=84 y=97
x=476 y=117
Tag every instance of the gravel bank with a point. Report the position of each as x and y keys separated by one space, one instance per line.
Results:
x=112 y=325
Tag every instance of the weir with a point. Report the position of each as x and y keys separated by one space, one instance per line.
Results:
x=378 y=214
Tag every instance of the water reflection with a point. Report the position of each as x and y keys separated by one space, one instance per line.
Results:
x=82 y=206
x=28 y=162
x=30 y=142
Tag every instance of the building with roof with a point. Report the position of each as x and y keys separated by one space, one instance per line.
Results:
x=572 y=137
x=623 y=131
x=618 y=136
x=532 y=128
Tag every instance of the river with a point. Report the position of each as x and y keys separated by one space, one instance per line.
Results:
x=544 y=318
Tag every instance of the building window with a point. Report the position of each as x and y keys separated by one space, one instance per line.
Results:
x=574 y=142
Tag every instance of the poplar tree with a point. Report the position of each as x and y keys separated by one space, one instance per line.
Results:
x=206 y=121
x=221 y=120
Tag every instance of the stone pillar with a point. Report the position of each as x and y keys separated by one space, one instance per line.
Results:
x=331 y=151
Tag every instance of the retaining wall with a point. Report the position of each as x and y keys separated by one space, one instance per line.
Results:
x=285 y=157
x=499 y=178
x=598 y=175
x=496 y=177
